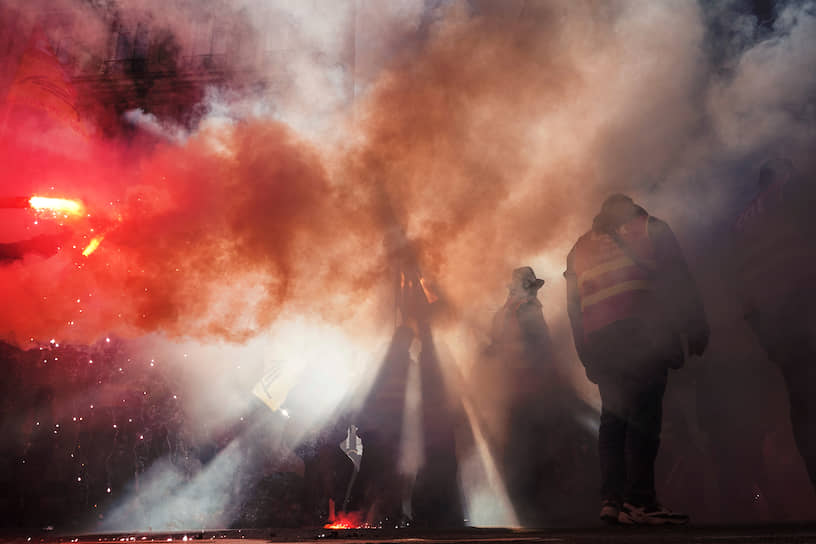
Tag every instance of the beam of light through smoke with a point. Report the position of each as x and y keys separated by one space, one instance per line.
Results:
x=487 y=133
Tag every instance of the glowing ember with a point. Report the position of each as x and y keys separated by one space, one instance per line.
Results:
x=94 y=243
x=349 y=520
x=56 y=205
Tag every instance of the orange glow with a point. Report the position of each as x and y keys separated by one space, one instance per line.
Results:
x=348 y=520
x=430 y=296
x=56 y=205
x=92 y=245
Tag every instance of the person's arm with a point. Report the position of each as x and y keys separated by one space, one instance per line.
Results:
x=574 y=308
x=686 y=304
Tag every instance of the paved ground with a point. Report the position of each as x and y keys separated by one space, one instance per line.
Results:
x=775 y=534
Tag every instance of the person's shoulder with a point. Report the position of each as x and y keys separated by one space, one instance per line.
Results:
x=571 y=255
x=529 y=304
x=657 y=228
x=581 y=239
x=656 y=223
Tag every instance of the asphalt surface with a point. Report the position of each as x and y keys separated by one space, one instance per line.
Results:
x=776 y=534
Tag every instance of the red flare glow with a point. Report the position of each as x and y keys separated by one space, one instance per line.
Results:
x=56 y=205
x=348 y=520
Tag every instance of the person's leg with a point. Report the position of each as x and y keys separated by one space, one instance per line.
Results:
x=612 y=440
x=643 y=441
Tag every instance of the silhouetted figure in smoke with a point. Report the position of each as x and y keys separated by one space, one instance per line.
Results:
x=775 y=268
x=519 y=329
x=541 y=446
x=520 y=361
x=630 y=299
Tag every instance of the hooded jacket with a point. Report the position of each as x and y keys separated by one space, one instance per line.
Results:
x=605 y=284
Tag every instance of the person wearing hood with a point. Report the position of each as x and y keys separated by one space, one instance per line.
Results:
x=634 y=307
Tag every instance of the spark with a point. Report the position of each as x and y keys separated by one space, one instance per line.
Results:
x=91 y=247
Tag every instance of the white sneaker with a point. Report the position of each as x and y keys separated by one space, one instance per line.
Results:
x=656 y=514
x=610 y=510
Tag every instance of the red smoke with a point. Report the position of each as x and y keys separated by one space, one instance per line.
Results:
x=211 y=238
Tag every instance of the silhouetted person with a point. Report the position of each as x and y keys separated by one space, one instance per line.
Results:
x=520 y=360
x=775 y=268
x=519 y=328
x=630 y=300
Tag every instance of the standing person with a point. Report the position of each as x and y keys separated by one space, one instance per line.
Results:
x=521 y=368
x=519 y=325
x=775 y=268
x=630 y=300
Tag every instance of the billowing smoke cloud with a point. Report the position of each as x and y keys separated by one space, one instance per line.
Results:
x=204 y=255
x=488 y=133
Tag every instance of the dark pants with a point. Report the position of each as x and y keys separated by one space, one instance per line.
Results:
x=628 y=439
x=629 y=361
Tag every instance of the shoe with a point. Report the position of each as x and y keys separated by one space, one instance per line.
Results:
x=655 y=514
x=610 y=510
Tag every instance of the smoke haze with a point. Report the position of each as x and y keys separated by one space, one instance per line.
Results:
x=481 y=136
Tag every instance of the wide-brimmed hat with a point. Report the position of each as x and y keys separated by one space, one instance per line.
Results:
x=525 y=277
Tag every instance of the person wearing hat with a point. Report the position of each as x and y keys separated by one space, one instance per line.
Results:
x=519 y=325
x=515 y=381
x=632 y=303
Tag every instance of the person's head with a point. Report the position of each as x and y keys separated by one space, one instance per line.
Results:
x=617 y=205
x=523 y=280
x=616 y=210
x=774 y=170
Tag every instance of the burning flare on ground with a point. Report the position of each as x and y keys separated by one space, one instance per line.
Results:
x=348 y=520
